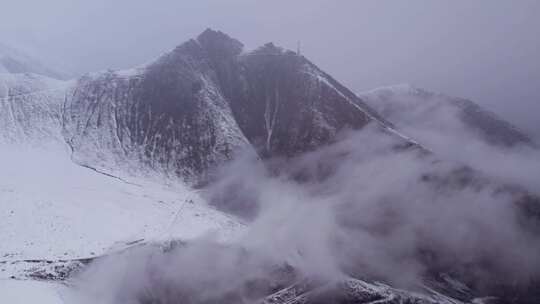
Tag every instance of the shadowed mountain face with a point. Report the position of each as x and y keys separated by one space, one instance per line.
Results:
x=416 y=110
x=283 y=103
x=195 y=106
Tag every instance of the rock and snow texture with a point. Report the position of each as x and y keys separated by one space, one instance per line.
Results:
x=195 y=106
x=352 y=291
x=14 y=61
x=31 y=109
x=436 y=119
x=285 y=105
x=54 y=207
x=111 y=120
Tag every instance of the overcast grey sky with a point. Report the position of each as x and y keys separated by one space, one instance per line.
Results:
x=485 y=50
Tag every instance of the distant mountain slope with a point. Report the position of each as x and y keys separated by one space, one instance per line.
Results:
x=191 y=110
x=422 y=114
x=31 y=109
x=15 y=62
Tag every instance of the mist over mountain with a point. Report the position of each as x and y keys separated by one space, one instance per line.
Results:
x=416 y=110
x=14 y=61
x=216 y=175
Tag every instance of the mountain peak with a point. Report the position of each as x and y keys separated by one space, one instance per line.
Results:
x=218 y=42
x=209 y=33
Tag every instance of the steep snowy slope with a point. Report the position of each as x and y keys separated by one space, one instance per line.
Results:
x=353 y=291
x=16 y=62
x=55 y=209
x=431 y=117
x=30 y=109
x=135 y=122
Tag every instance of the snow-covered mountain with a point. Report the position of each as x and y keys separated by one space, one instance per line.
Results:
x=31 y=109
x=435 y=119
x=14 y=61
x=83 y=160
x=187 y=112
x=197 y=105
x=105 y=163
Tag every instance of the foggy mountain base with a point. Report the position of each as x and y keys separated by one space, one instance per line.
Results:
x=377 y=212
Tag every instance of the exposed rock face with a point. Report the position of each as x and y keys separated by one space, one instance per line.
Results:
x=285 y=105
x=195 y=106
x=413 y=109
